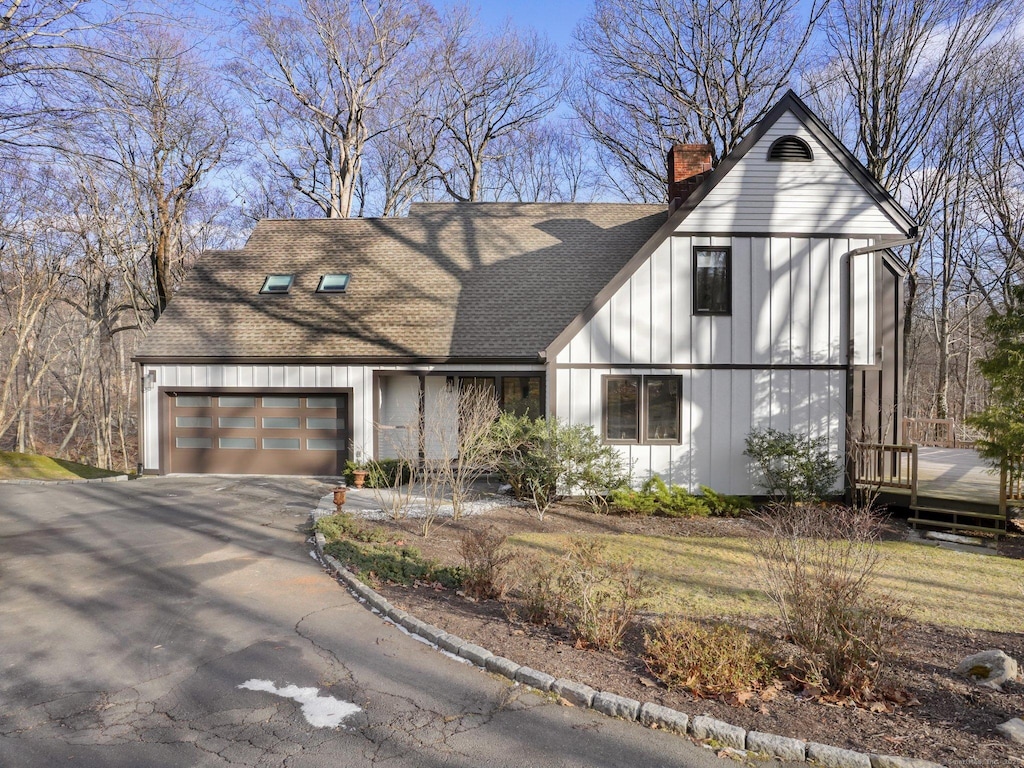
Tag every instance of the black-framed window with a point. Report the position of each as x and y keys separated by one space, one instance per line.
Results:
x=712 y=285
x=643 y=409
x=519 y=395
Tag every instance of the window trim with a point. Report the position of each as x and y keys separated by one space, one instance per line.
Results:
x=643 y=413
x=727 y=250
x=605 y=380
x=277 y=291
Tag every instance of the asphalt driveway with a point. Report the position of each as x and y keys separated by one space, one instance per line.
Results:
x=131 y=614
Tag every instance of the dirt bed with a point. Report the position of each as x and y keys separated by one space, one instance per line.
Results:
x=942 y=718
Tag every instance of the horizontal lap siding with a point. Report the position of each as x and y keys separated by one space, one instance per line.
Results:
x=758 y=195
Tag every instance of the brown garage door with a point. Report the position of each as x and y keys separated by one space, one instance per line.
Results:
x=258 y=434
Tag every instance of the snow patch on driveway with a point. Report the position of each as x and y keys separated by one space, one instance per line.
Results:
x=319 y=711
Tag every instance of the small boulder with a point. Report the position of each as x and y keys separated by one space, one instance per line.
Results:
x=990 y=668
x=1012 y=730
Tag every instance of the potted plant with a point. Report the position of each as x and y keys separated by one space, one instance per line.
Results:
x=356 y=472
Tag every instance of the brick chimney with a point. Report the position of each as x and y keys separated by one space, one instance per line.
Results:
x=688 y=166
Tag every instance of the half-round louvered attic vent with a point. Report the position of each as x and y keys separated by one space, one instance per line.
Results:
x=790 y=148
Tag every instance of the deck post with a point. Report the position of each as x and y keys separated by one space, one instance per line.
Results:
x=1004 y=481
x=913 y=475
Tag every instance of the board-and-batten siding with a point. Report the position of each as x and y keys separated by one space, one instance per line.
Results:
x=720 y=407
x=300 y=377
x=787 y=333
x=227 y=377
x=758 y=195
x=788 y=308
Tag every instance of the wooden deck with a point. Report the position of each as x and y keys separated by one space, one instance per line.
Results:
x=956 y=473
x=955 y=489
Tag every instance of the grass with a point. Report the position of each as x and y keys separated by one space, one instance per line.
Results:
x=705 y=577
x=29 y=466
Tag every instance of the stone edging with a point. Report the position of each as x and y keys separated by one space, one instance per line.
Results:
x=111 y=479
x=699 y=727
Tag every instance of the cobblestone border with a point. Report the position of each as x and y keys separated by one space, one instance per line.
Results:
x=700 y=727
x=111 y=479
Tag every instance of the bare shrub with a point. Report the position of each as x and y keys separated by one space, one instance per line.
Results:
x=459 y=448
x=536 y=588
x=707 y=660
x=599 y=597
x=394 y=479
x=820 y=565
x=486 y=558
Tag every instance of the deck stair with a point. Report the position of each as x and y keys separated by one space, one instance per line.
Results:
x=957 y=515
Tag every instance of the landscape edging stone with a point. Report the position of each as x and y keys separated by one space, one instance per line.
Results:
x=699 y=727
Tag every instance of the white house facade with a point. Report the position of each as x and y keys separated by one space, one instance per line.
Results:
x=766 y=295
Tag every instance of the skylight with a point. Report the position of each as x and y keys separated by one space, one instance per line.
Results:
x=277 y=284
x=333 y=283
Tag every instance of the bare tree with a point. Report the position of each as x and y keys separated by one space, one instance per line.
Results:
x=33 y=262
x=545 y=163
x=893 y=65
x=316 y=78
x=494 y=87
x=998 y=166
x=159 y=126
x=39 y=41
x=661 y=71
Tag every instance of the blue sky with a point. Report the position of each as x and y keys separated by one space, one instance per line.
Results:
x=554 y=18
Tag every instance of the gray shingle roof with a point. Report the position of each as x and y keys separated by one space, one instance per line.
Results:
x=482 y=280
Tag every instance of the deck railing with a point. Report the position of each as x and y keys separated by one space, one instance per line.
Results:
x=933 y=433
x=1011 y=484
x=886 y=466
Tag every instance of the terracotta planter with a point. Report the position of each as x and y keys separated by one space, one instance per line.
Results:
x=339 y=496
x=358 y=477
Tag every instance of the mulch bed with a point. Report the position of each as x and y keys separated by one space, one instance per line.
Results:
x=943 y=718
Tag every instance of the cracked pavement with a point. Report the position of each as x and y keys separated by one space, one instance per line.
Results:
x=131 y=612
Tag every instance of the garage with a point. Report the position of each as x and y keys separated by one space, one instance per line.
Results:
x=257 y=433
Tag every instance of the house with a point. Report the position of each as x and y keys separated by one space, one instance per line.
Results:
x=763 y=295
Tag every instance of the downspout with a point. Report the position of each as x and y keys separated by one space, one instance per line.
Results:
x=883 y=245
x=549 y=383
x=140 y=432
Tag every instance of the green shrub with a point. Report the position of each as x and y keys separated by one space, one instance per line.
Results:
x=377 y=554
x=795 y=467
x=338 y=526
x=345 y=526
x=707 y=660
x=724 y=505
x=380 y=473
x=544 y=460
x=381 y=562
x=657 y=498
x=598 y=598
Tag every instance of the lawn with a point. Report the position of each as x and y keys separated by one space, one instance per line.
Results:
x=717 y=576
x=28 y=466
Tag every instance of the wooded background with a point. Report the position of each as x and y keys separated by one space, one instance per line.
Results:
x=133 y=138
